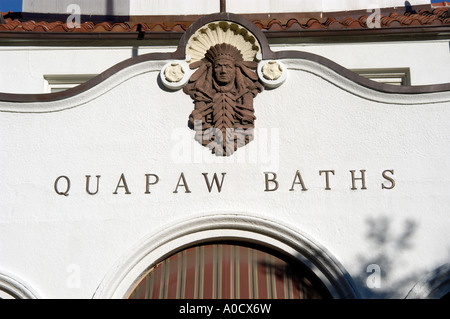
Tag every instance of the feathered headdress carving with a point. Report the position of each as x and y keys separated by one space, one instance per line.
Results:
x=225 y=112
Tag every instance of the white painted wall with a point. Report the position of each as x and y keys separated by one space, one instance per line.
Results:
x=25 y=67
x=87 y=7
x=415 y=55
x=256 y=6
x=65 y=246
x=182 y=7
x=175 y=7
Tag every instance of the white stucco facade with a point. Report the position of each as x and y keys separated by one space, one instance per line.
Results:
x=180 y=7
x=379 y=223
x=27 y=67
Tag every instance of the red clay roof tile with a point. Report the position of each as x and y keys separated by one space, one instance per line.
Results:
x=350 y=22
x=433 y=16
x=314 y=24
x=274 y=25
x=293 y=25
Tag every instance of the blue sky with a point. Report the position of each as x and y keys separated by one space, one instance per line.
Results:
x=11 y=5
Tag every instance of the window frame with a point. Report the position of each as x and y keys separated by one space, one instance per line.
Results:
x=60 y=82
x=392 y=76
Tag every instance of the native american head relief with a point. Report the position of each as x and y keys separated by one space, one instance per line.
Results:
x=223 y=88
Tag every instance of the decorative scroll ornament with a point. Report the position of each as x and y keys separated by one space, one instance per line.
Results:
x=223 y=86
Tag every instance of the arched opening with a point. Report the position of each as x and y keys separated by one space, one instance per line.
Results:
x=435 y=285
x=228 y=270
x=279 y=250
x=11 y=288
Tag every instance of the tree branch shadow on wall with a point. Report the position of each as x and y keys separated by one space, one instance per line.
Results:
x=385 y=257
x=388 y=245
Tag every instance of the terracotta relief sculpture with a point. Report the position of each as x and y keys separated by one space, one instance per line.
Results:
x=223 y=89
x=223 y=86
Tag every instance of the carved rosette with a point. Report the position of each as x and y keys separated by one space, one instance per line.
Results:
x=175 y=74
x=224 y=55
x=272 y=73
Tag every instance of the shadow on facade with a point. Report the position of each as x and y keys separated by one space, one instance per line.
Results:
x=385 y=260
x=409 y=8
x=388 y=244
x=302 y=280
